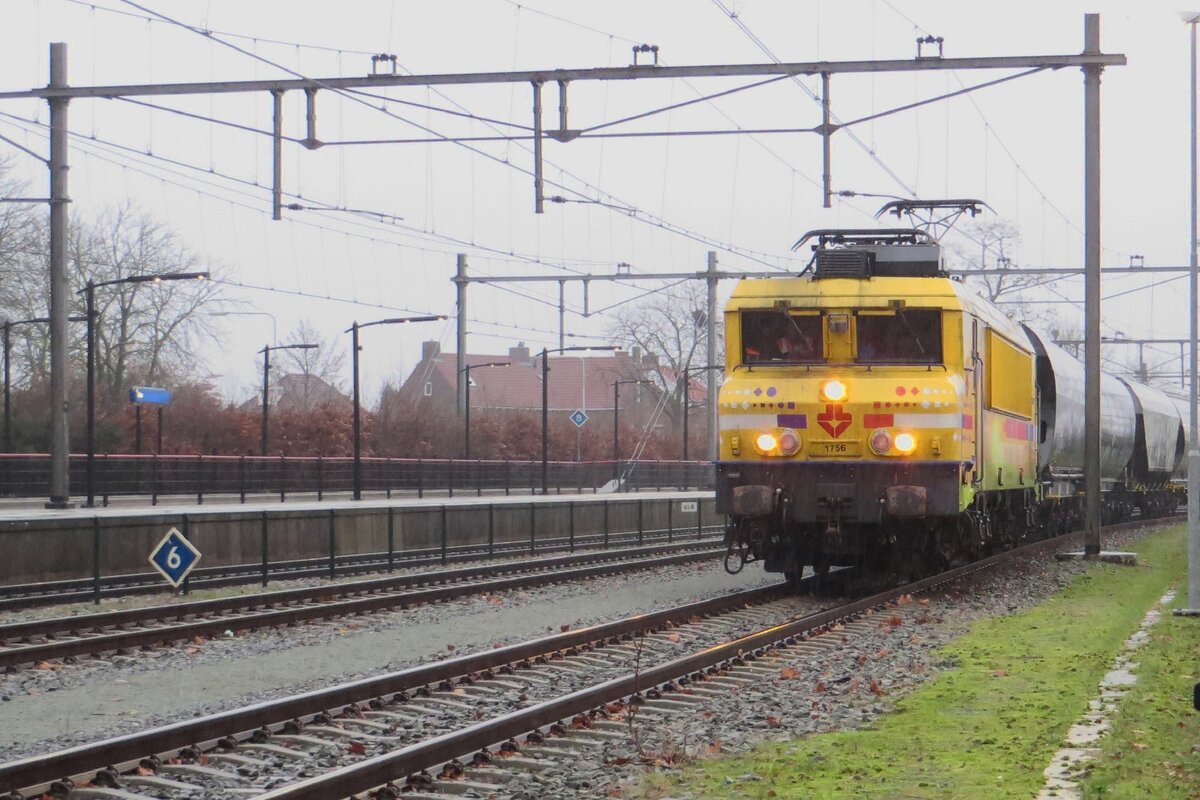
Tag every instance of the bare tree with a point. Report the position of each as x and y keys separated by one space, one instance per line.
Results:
x=995 y=246
x=145 y=332
x=318 y=369
x=670 y=325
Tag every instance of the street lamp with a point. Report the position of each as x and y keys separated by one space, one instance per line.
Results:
x=354 y=349
x=467 y=408
x=266 y=405
x=8 y=325
x=546 y=402
x=685 y=399
x=616 y=425
x=90 y=291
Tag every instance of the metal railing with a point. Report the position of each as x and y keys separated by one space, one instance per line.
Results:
x=154 y=476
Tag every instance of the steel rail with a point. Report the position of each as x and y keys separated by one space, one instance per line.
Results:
x=78 y=761
x=398 y=764
x=380 y=594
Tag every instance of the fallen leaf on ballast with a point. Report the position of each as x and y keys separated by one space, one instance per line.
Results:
x=789 y=673
x=357 y=748
x=774 y=722
x=876 y=689
x=673 y=637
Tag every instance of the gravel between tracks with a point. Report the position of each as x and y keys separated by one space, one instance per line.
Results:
x=48 y=709
x=835 y=693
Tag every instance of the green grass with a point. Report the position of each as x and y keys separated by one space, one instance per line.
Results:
x=988 y=727
x=1149 y=753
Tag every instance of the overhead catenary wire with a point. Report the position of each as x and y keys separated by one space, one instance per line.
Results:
x=635 y=213
x=526 y=294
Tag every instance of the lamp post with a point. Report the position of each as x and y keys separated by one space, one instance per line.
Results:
x=467 y=407
x=90 y=292
x=617 y=427
x=8 y=325
x=685 y=399
x=354 y=350
x=266 y=403
x=546 y=403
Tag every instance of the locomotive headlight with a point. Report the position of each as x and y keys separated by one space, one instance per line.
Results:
x=789 y=441
x=833 y=391
x=881 y=442
x=906 y=443
x=766 y=443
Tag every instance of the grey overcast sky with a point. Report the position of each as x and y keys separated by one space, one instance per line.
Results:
x=1018 y=146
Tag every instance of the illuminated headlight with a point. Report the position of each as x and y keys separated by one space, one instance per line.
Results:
x=833 y=391
x=906 y=443
x=766 y=443
x=881 y=442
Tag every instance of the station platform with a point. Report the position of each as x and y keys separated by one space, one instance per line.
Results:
x=42 y=545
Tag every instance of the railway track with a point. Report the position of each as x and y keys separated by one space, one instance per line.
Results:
x=453 y=726
x=283 y=738
x=34 y=641
x=561 y=732
x=33 y=595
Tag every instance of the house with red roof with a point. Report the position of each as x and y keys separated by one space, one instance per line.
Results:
x=577 y=381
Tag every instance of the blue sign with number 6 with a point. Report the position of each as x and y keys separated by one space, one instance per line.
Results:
x=174 y=557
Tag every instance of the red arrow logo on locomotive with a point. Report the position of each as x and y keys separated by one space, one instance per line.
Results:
x=834 y=420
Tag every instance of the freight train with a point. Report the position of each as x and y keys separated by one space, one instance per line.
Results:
x=876 y=412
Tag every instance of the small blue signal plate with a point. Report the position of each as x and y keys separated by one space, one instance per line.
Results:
x=150 y=396
x=174 y=557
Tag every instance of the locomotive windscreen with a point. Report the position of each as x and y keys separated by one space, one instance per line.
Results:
x=905 y=336
x=777 y=337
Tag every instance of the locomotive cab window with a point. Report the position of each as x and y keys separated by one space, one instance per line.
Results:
x=777 y=337
x=903 y=336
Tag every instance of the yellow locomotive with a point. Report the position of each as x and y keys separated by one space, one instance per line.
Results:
x=874 y=410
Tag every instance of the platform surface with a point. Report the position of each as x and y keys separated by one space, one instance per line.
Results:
x=26 y=511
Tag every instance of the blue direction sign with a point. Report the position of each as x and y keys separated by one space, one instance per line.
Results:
x=579 y=418
x=174 y=557
x=149 y=396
